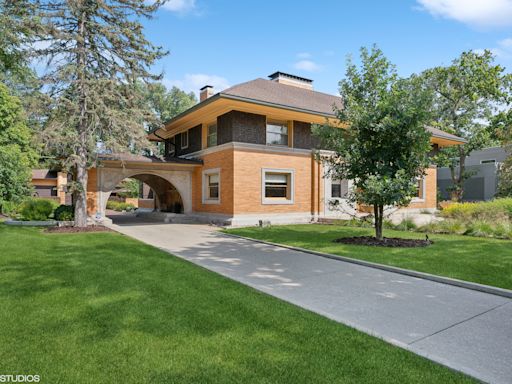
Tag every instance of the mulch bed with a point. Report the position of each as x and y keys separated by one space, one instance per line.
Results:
x=394 y=242
x=90 y=228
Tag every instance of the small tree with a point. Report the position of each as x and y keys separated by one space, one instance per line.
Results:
x=467 y=93
x=97 y=55
x=17 y=154
x=384 y=148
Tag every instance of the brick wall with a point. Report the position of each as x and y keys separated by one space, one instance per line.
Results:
x=224 y=161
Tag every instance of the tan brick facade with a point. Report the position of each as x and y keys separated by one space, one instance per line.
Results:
x=430 y=200
x=224 y=161
x=241 y=183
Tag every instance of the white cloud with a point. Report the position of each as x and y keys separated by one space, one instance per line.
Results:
x=480 y=13
x=307 y=65
x=180 y=6
x=303 y=55
x=192 y=82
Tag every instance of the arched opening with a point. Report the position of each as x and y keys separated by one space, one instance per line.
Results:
x=146 y=192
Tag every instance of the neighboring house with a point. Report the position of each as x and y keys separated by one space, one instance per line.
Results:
x=483 y=166
x=51 y=184
x=246 y=154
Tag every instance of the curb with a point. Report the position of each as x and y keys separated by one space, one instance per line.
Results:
x=422 y=275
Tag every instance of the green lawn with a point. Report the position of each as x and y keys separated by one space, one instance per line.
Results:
x=485 y=261
x=103 y=308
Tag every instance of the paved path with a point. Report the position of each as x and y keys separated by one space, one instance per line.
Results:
x=467 y=330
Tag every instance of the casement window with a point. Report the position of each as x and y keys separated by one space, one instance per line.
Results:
x=277 y=186
x=211 y=140
x=339 y=189
x=184 y=140
x=277 y=133
x=211 y=186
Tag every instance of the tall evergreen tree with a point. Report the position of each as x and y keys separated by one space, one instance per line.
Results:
x=96 y=53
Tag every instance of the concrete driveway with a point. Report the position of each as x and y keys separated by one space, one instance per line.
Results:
x=464 y=329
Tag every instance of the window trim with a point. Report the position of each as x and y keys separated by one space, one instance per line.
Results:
x=206 y=173
x=283 y=123
x=422 y=199
x=184 y=134
x=278 y=200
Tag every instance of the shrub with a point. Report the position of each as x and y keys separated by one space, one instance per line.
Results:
x=38 y=209
x=406 y=225
x=11 y=208
x=64 y=213
x=497 y=209
x=120 y=206
x=388 y=224
x=363 y=223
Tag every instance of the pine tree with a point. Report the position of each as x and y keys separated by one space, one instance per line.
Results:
x=95 y=53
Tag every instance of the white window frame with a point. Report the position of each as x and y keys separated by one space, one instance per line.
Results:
x=278 y=200
x=417 y=199
x=205 y=198
x=208 y=135
x=184 y=134
x=338 y=182
x=281 y=123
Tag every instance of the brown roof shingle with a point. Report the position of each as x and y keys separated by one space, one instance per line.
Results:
x=287 y=96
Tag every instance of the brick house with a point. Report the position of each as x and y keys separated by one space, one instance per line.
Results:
x=247 y=154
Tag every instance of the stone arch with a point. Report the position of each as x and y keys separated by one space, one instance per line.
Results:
x=109 y=178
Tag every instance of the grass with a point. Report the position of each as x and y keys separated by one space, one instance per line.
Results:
x=480 y=260
x=103 y=308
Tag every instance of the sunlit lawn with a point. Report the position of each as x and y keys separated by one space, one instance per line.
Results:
x=485 y=261
x=103 y=308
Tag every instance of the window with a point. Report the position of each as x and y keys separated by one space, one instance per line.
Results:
x=211 y=186
x=339 y=189
x=421 y=189
x=184 y=140
x=489 y=161
x=277 y=186
x=212 y=136
x=277 y=133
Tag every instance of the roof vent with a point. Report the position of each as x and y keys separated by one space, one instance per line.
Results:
x=288 y=79
x=205 y=92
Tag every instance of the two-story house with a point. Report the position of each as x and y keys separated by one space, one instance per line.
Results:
x=247 y=154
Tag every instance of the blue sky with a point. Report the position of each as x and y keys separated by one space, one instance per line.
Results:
x=223 y=42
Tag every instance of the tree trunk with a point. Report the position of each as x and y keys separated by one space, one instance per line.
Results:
x=378 y=211
x=81 y=148
x=81 y=195
x=461 y=176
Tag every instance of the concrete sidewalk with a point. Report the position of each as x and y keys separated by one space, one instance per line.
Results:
x=464 y=329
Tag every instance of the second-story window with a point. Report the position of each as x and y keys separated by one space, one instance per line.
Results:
x=212 y=136
x=277 y=133
x=184 y=140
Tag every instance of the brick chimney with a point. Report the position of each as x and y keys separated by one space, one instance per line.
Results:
x=205 y=92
